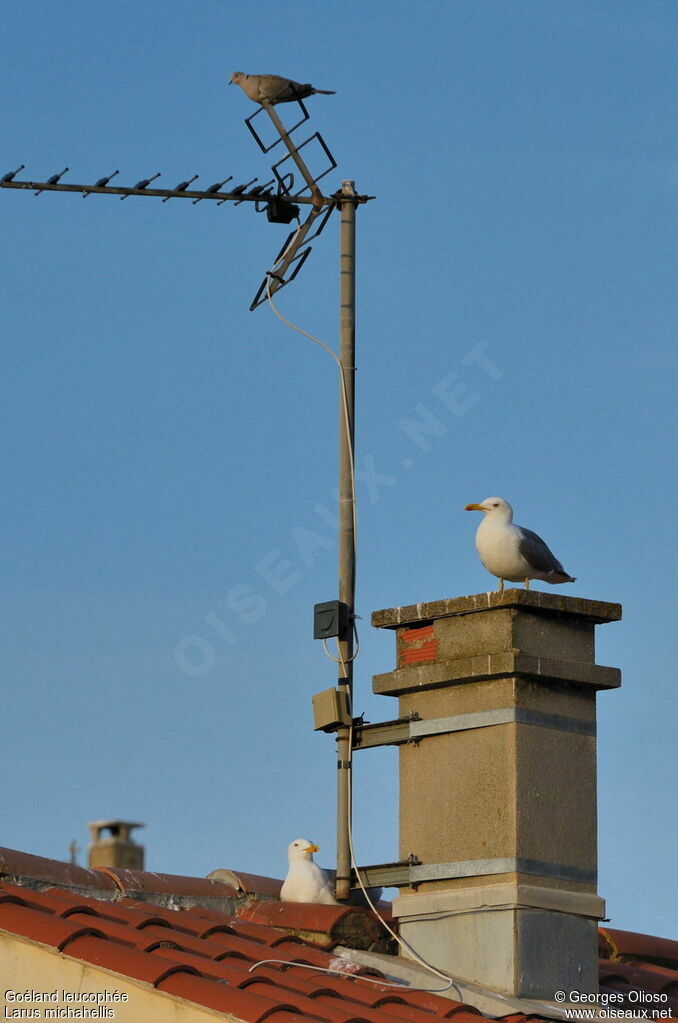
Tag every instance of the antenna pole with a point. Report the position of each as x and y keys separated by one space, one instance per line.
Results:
x=347 y=538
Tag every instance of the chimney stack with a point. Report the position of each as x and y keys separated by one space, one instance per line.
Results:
x=112 y=845
x=498 y=790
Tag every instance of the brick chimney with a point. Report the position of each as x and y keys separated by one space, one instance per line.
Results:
x=498 y=789
x=112 y=845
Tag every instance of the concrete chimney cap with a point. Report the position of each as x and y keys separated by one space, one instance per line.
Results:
x=117 y=827
x=536 y=601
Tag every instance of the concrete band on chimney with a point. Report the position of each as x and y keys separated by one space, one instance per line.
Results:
x=498 y=785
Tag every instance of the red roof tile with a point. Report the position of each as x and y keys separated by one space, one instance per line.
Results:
x=40 y=926
x=129 y=962
x=215 y=960
x=464 y=1014
x=164 y=884
x=332 y=1008
x=249 y=884
x=295 y=952
x=624 y=945
x=293 y=981
x=182 y=953
x=659 y=971
x=661 y=980
x=248 y=1007
x=38 y=868
x=301 y=916
x=423 y=1000
x=329 y=925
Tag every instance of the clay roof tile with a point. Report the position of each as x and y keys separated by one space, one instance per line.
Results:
x=129 y=962
x=19 y=864
x=40 y=926
x=164 y=884
x=328 y=925
x=412 y=1013
x=206 y=956
x=248 y=884
x=426 y=1000
x=245 y=1006
x=623 y=945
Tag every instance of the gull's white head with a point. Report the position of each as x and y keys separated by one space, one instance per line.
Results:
x=495 y=508
x=300 y=849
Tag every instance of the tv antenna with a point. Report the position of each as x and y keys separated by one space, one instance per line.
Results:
x=282 y=198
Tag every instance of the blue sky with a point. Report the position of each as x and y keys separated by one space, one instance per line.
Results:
x=162 y=443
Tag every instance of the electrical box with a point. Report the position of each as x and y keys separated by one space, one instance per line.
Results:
x=330 y=710
x=278 y=211
x=330 y=619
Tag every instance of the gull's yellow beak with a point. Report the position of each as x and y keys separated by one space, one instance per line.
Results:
x=312 y=848
x=474 y=507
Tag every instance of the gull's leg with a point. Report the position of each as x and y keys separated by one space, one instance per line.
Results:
x=501 y=586
x=527 y=584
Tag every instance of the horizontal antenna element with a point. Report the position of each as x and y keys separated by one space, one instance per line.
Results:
x=10 y=174
x=144 y=183
x=53 y=180
x=101 y=183
x=182 y=186
x=236 y=195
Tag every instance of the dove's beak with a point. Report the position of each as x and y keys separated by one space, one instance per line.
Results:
x=474 y=507
x=312 y=849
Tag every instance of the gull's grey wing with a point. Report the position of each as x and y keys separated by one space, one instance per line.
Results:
x=536 y=553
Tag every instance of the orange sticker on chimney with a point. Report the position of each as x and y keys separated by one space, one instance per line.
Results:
x=418 y=645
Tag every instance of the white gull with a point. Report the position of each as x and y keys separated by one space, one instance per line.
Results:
x=306 y=881
x=512 y=552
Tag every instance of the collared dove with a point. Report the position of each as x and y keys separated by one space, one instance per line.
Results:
x=273 y=88
x=513 y=552
x=306 y=881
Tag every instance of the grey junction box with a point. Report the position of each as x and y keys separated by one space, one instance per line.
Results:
x=330 y=619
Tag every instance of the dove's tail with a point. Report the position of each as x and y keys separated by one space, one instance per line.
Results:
x=326 y=92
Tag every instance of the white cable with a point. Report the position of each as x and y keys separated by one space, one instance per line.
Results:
x=342 y=973
x=340 y=659
x=349 y=442
x=401 y=941
x=344 y=396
